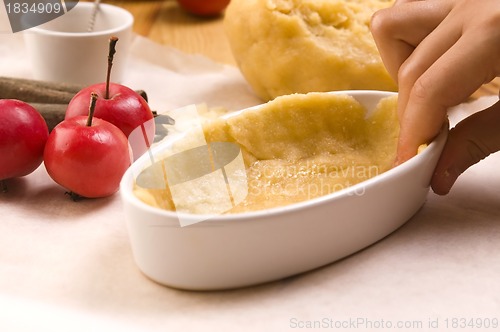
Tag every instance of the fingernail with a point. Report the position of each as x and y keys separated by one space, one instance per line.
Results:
x=443 y=181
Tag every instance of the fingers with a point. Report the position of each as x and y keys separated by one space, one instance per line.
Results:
x=440 y=52
x=470 y=141
x=448 y=81
x=399 y=29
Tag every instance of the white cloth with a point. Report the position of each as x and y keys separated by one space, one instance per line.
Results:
x=68 y=266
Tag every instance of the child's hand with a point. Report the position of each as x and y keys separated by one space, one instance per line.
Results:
x=440 y=52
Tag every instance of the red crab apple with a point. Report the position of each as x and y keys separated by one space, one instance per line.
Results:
x=204 y=7
x=122 y=107
x=87 y=155
x=119 y=105
x=23 y=134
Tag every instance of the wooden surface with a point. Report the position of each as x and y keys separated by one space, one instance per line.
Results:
x=165 y=23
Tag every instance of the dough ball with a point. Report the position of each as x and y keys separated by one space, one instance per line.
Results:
x=300 y=46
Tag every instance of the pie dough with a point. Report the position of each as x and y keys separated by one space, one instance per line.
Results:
x=300 y=46
x=295 y=148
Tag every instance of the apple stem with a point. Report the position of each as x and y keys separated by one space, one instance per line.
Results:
x=112 y=50
x=93 y=100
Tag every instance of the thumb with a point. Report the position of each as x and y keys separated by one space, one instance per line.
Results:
x=470 y=141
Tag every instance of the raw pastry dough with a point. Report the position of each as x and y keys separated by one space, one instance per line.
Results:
x=299 y=46
x=295 y=148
